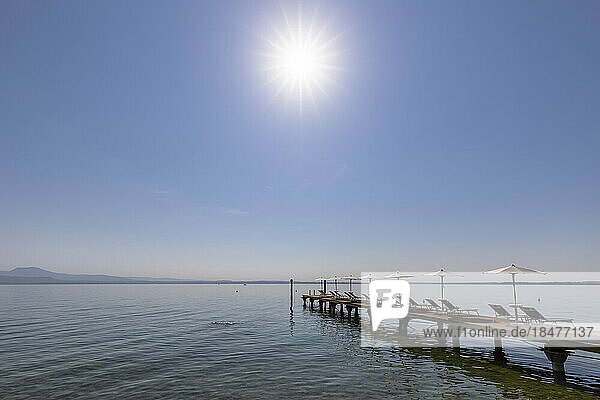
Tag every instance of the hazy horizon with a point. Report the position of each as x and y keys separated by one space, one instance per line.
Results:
x=418 y=277
x=144 y=140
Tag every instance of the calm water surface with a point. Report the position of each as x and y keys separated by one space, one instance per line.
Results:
x=158 y=341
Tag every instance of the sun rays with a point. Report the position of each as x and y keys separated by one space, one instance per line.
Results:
x=300 y=61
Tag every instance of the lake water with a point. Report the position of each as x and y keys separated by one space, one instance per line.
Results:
x=158 y=341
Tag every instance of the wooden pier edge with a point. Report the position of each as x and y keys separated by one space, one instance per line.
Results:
x=556 y=355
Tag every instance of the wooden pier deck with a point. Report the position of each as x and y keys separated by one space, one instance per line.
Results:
x=330 y=303
x=556 y=353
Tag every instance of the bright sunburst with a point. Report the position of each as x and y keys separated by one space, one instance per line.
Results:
x=300 y=60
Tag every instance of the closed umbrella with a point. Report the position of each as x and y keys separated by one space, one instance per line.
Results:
x=514 y=270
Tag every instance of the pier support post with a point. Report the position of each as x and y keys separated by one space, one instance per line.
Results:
x=455 y=337
x=499 y=356
x=557 y=356
x=403 y=326
x=441 y=338
x=497 y=343
x=291 y=295
x=320 y=305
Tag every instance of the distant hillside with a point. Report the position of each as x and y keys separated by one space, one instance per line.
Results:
x=29 y=275
x=36 y=275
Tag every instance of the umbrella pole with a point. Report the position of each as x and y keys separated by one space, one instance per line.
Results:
x=515 y=298
x=442 y=278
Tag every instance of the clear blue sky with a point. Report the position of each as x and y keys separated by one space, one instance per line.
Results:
x=135 y=139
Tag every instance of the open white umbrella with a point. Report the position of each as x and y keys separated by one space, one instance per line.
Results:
x=442 y=274
x=335 y=279
x=320 y=279
x=514 y=270
x=350 y=278
x=368 y=276
x=321 y=282
x=398 y=275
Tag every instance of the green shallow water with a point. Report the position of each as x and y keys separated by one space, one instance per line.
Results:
x=158 y=341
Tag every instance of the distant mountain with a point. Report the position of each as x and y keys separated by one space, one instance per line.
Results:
x=36 y=275
x=22 y=275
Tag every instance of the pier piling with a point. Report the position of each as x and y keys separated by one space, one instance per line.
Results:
x=557 y=356
x=441 y=338
x=455 y=337
x=499 y=356
x=497 y=343
x=403 y=326
x=292 y=296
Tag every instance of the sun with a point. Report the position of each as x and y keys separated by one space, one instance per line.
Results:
x=301 y=60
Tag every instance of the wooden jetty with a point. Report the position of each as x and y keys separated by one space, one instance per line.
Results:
x=330 y=303
x=557 y=353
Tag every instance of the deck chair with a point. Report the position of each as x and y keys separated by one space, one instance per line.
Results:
x=413 y=304
x=366 y=296
x=534 y=315
x=452 y=309
x=500 y=312
x=352 y=296
x=434 y=306
x=339 y=296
